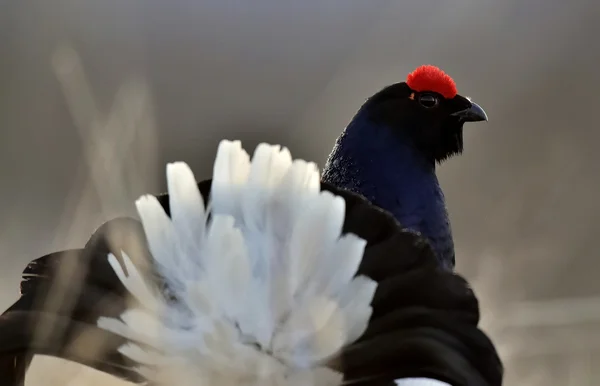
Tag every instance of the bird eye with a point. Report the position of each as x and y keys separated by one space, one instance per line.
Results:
x=428 y=100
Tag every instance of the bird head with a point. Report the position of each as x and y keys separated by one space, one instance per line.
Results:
x=427 y=111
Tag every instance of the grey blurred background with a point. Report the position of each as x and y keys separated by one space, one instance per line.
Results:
x=180 y=75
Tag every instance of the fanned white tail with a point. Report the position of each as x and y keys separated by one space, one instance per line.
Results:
x=263 y=293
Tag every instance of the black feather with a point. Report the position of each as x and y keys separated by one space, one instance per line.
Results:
x=90 y=284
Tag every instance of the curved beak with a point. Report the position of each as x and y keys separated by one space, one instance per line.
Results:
x=473 y=114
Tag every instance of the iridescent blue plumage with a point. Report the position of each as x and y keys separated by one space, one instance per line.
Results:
x=381 y=164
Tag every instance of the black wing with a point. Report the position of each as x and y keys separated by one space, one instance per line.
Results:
x=66 y=292
x=424 y=322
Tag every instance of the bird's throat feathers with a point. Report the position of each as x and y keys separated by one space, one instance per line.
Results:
x=381 y=165
x=378 y=163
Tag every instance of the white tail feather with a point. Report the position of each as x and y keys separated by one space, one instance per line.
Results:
x=266 y=291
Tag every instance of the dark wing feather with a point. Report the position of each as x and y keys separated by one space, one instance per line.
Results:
x=67 y=340
x=424 y=321
x=77 y=285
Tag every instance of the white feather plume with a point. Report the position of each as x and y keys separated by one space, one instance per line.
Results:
x=265 y=291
